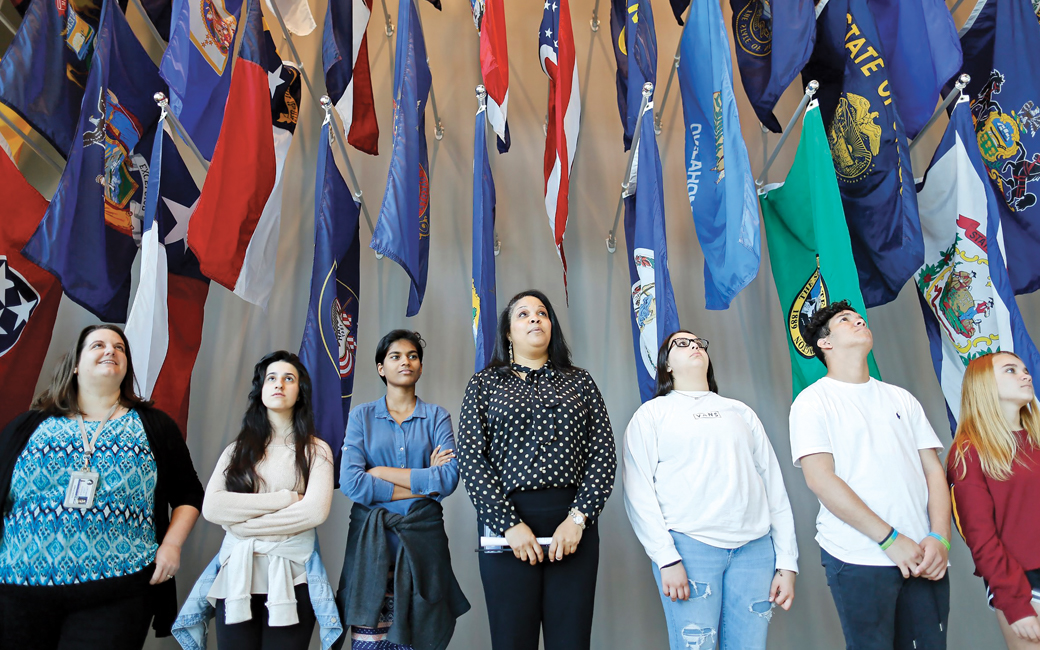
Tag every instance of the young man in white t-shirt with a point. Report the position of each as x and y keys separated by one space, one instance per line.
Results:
x=870 y=456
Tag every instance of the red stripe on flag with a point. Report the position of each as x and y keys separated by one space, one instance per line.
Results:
x=240 y=178
x=364 y=130
x=186 y=300
x=494 y=54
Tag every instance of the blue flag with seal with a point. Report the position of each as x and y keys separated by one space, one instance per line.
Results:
x=44 y=71
x=485 y=302
x=1005 y=105
x=654 y=315
x=330 y=335
x=964 y=288
x=718 y=172
x=197 y=67
x=403 y=230
x=635 y=41
x=869 y=147
x=774 y=42
x=86 y=238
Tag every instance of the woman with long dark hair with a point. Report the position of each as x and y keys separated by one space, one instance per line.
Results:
x=994 y=473
x=538 y=460
x=98 y=495
x=272 y=486
x=705 y=496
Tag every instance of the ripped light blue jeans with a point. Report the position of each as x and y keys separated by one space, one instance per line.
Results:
x=729 y=604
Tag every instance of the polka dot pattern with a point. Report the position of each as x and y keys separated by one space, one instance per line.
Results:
x=548 y=430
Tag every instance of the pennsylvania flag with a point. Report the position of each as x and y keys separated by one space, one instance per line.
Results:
x=1001 y=41
x=654 y=315
x=86 y=238
x=809 y=248
x=774 y=42
x=635 y=50
x=966 y=295
x=485 y=305
x=869 y=147
x=330 y=335
x=718 y=172
x=403 y=230
x=44 y=71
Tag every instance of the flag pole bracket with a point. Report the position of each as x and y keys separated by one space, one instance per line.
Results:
x=648 y=90
x=164 y=106
x=594 y=22
x=810 y=90
x=958 y=88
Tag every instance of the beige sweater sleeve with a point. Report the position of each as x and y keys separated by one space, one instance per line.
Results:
x=309 y=512
x=226 y=508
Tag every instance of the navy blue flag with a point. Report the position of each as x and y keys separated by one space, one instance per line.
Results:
x=919 y=38
x=718 y=172
x=44 y=71
x=330 y=335
x=1005 y=105
x=654 y=315
x=485 y=304
x=635 y=41
x=869 y=147
x=774 y=42
x=86 y=238
x=158 y=12
x=678 y=8
x=403 y=230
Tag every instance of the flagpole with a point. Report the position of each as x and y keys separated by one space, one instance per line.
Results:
x=389 y=30
x=335 y=114
x=956 y=5
x=648 y=90
x=7 y=23
x=958 y=88
x=164 y=105
x=765 y=144
x=438 y=127
x=594 y=23
x=671 y=75
x=810 y=90
x=32 y=145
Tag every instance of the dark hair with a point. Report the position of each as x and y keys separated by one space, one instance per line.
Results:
x=559 y=353
x=393 y=337
x=819 y=325
x=251 y=443
x=62 y=396
x=665 y=380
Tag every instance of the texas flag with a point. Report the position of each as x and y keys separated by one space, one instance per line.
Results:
x=344 y=58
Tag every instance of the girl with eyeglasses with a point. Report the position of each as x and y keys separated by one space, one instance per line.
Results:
x=705 y=496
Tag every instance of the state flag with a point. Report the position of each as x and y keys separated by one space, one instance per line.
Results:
x=344 y=56
x=484 y=291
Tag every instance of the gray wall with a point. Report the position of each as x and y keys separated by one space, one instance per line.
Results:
x=748 y=346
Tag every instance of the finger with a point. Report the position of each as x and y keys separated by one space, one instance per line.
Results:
x=561 y=551
x=905 y=570
x=156 y=576
x=553 y=547
x=684 y=592
x=537 y=549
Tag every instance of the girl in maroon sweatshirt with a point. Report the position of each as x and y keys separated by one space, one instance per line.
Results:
x=994 y=474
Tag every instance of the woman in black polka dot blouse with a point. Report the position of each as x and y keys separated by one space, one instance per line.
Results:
x=538 y=460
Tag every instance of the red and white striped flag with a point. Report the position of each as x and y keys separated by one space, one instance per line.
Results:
x=556 y=53
x=344 y=56
x=490 y=18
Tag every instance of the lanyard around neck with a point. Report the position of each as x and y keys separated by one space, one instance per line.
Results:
x=88 y=443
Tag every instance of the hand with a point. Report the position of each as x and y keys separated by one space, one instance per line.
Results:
x=675 y=584
x=933 y=566
x=439 y=457
x=167 y=563
x=565 y=539
x=906 y=554
x=524 y=544
x=781 y=592
x=1027 y=628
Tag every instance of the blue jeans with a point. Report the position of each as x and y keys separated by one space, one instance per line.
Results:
x=729 y=596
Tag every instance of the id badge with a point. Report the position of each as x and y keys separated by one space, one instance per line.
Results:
x=83 y=486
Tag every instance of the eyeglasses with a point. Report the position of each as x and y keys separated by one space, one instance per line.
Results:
x=684 y=342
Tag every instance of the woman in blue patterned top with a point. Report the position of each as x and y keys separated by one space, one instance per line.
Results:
x=88 y=545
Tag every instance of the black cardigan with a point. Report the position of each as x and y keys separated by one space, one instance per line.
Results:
x=176 y=485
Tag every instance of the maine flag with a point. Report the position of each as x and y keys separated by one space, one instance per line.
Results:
x=635 y=51
x=966 y=295
x=44 y=71
x=403 y=230
x=809 y=248
x=869 y=147
x=654 y=315
x=86 y=238
x=774 y=42
x=485 y=306
x=718 y=172
x=330 y=335
x=1001 y=41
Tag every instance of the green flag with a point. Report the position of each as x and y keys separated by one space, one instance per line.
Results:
x=809 y=247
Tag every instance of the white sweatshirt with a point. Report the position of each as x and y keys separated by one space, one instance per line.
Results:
x=700 y=464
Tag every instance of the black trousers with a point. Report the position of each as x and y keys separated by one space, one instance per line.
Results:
x=256 y=634
x=109 y=614
x=554 y=597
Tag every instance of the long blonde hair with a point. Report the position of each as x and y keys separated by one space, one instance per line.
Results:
x=982 y=426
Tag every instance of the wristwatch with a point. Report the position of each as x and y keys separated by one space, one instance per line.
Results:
x=577 y=518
